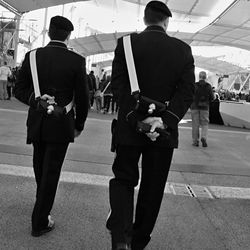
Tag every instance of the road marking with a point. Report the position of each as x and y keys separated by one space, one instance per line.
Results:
x=223 y=131
x=14 y=111
x=195 y=191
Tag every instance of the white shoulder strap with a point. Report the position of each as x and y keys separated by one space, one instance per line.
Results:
x=34 y=73
x=130 y=64
x=35 y=80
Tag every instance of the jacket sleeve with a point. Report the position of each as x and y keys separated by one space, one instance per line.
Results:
x=23 y=89
x=118 y=69
x=81 y=96
x=183 y=96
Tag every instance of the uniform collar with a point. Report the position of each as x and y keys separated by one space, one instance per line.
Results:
x=155 y=28
x=57 y=44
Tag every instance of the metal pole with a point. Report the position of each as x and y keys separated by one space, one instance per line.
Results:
x=231 y=85
x=63 y=10
x=244 y=83
x=16 y=38
x=44 y=25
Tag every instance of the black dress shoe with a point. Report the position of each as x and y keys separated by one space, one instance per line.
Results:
x=50 y=227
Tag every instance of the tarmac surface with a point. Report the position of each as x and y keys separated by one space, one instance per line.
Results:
x=205 y=206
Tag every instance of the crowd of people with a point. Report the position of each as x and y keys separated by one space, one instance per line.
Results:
x=8 y=77
x=101 y=96
x=227 y=95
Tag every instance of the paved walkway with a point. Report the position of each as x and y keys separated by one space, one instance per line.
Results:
x=205 y=206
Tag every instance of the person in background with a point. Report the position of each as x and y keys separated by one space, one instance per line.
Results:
x=200 y=110
x=107 y=95
x=172 y=84
x=98 y=100
x=92 y=88
x=103 y=75
x=248 y=97
x=10 y=84
x=62 y=79
x=4 y=74
x=114 y=104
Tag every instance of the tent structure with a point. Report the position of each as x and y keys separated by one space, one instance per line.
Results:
x=210 y=63
x=104 y=43
x=22 y=6
x=198 y=22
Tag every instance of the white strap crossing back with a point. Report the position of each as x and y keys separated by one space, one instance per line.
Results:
x=130 y=64
x=34 y=73
x=33 y=68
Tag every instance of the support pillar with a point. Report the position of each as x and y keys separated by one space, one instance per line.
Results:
x=16 y=38
x=45 y=25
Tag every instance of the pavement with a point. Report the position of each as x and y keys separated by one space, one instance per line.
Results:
x=205 y=205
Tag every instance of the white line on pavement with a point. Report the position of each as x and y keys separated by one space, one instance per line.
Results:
x=223 y=131
x=14 y=111
x=197 y=191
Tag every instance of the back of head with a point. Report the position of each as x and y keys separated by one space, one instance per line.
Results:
x=108 y=78
x=203 y=75
x=60 y=28
x=155 y=12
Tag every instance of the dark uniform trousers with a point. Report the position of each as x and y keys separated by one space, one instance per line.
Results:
x=155 y=164
x=47 y=163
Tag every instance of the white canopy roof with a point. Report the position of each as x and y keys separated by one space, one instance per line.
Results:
x=198 y=22
x=103 y=43
x=210 y=63
x=21 y=6
x=228 y=21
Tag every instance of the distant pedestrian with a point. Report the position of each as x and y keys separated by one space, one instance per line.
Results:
x=98 y=100
x=200 y=110
x=92 y=88
x=4 y=74
x=107 y=95
x=10 y=84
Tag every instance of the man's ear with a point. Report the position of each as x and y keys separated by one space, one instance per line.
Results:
x=67 y=39
x=165 y=23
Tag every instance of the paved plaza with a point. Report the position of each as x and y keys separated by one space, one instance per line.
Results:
x=205 y=206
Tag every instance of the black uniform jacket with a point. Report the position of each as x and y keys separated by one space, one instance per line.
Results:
x=61 y=73
x=165 y=72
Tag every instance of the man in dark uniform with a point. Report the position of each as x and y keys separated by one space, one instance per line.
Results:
x=62 y=78
x=165 y=72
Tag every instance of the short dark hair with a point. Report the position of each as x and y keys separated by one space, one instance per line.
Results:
x=153 y=17
x=58 y=34
x=203 y=75
x=156 y=11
